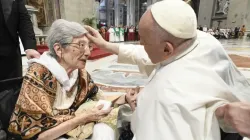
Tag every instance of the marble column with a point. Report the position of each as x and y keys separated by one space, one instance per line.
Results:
x=149 y=2
x=110 y=12
x=117 y=12
x=32 y=12
x=131 y=12
x=247 y=22
x=206 y=12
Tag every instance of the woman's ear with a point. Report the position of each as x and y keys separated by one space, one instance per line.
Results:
x=58 y=50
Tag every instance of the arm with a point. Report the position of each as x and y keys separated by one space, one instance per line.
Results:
x=26 y=32
x=131 y=54
x=235 y=116
x=25 y=27
x=63 y=128
x=91 y=116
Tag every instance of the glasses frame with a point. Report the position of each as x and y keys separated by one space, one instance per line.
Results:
x=79 y=46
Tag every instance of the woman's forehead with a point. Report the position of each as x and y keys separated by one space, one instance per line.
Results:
x=82 y=38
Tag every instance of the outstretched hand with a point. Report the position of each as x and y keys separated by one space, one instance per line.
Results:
x=236 y=115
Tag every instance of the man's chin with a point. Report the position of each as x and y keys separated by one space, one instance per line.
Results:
x=154 y=61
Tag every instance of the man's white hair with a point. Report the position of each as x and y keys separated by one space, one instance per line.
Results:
x=63 y=32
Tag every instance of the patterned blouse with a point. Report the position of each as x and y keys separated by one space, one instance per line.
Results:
x=34 y=112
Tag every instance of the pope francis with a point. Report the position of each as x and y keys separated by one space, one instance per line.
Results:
x=191 y=76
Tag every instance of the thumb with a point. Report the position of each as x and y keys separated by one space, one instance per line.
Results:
x=137 y=89
x=37 y=55
x=220 y=111
x=90 y=37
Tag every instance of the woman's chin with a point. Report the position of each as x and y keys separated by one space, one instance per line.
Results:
x=81 y=65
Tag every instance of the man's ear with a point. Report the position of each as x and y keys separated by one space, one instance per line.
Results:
x=168 y=48
x=58 y=50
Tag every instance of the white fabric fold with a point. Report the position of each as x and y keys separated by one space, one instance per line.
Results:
x=180 y=100
x=57 y=70
x=65 y=82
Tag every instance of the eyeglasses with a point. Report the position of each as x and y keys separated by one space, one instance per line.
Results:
x=81 y=46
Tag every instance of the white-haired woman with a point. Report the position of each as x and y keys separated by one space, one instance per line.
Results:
x=55 y=86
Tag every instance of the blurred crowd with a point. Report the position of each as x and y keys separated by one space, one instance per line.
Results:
x=120 y=33
x=226 y=33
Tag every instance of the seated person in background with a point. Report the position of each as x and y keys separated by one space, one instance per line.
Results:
x=55 y=86
x=243 y=30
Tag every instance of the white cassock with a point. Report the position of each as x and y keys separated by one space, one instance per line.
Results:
x=111 y=35
x=183 y=93
x=122 y=35
x=117 y=36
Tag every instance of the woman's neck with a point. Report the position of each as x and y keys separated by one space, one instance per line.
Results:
x=68 y=69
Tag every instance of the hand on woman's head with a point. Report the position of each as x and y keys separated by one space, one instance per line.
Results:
x=95 y=37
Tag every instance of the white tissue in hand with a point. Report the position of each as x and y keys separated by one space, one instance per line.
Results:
x=106 y=104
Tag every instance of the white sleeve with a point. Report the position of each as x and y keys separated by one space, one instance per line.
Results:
x=136 y=55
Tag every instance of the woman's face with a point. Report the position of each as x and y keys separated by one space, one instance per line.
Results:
x=76 y=54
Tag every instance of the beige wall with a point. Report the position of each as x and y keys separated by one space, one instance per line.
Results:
x=205 y=12
x=77 y=10
x=237 y=12
x=223 y=23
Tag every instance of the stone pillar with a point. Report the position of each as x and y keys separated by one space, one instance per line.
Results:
x=205 y=12
x=128 y=12
x=110 y=12
x=131 y=12
x=117 y=12
x=247 y=22
x=149 y=2
x=32 y=12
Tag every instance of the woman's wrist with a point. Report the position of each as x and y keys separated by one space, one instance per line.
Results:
x=81 y=120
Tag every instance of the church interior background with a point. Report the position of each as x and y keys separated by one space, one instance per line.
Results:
x=213 y=13
x=210 y=13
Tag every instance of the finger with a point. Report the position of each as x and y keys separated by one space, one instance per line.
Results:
x=106 y=111
x=131 y=92
x=220 y=111
x=90 y=37
x=137 y=89
x=99 y=107
x=37 y=55
x=90 y=29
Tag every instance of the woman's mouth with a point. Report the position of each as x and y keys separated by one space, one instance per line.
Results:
x=83 y=60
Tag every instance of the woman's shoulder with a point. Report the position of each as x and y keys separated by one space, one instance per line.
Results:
x=40 y=76
x=38 y=68
x=39 y=72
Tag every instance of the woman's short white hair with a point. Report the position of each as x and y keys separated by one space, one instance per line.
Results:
x=63 y=32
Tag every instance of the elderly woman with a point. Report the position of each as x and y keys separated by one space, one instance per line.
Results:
x=55 y=86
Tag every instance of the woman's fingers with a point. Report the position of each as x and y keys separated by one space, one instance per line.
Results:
x=99 y=107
